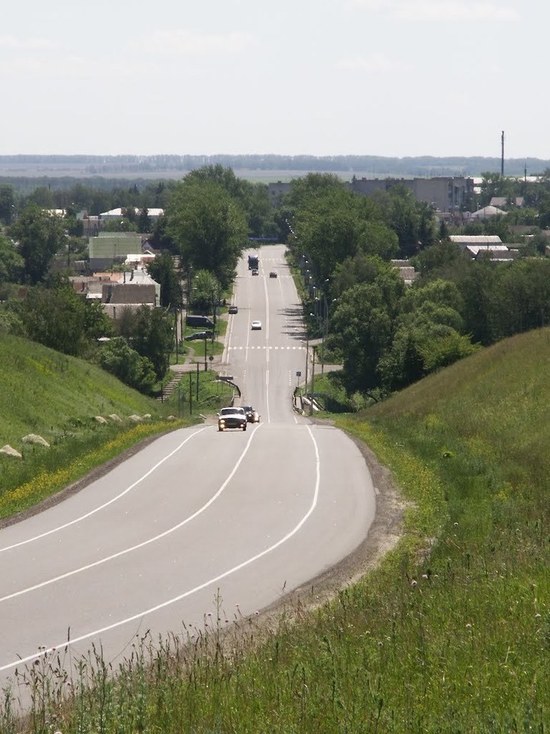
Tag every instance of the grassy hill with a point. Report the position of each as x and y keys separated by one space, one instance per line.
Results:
x=450 y=633
x=58 y=397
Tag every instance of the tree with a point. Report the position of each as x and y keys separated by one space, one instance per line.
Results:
x=364 y=321
x=160 y=238
x=209 y=227
x=11 y=262
x=60 y=319
x=306 y=189
x=7 y=204
x=39 y=236
x=438 y=260
x=153 y=337
x=206 y=291
x=144 y=221
x=428 y=334
x=163 y=271
x=118 y=358
x=411 y=220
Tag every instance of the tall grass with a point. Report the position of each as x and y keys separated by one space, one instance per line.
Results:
x=450 y=633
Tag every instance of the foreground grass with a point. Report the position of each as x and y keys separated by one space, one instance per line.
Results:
x=450 y=634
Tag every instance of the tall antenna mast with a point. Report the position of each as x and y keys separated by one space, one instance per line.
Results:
x=502 y=154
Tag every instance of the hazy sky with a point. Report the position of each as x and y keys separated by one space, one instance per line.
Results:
x=318 y=77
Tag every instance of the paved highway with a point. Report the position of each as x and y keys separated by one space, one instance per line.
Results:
x=200 y=523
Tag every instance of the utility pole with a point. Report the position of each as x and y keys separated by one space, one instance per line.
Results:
x=312 y=380
x=307 y=359
x=502 y=154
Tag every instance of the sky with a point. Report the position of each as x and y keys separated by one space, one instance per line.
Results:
x=290 y=77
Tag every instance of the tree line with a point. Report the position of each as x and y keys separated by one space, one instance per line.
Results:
x=387 y=334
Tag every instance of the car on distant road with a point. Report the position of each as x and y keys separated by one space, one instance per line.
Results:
x=232 y=418
x=255 y=271
x=256 y=325
x=252 y=416
x=272 y=274
x=233 y=309
x=199 y=335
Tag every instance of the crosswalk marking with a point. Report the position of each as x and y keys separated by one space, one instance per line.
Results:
x=267 y=347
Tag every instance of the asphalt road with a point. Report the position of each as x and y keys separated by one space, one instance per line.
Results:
x=199 y=525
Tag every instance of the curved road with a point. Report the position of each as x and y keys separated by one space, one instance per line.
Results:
x=199 y=524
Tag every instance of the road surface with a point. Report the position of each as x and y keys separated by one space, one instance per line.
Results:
x=199 y=525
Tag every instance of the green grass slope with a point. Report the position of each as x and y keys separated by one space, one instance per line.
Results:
x=56 y=396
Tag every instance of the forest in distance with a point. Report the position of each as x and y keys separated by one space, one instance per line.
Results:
x=261 y=167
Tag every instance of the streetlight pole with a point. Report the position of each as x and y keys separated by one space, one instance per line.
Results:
x=307 y=359
x=312 y=380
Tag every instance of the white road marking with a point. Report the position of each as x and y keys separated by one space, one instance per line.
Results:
x=105 y=504
x=144 y=543
x=67 y=643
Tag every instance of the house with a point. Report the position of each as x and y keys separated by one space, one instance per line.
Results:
x=444 y=193
x=116 y=291
x=466 y=240
x=503 y=201
x=121 y=212
x=406 y=271
x=486 y=212
x=484 y=246
x=106 y=248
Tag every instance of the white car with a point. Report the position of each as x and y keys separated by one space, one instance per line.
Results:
x=232 y=417
x=256 y=325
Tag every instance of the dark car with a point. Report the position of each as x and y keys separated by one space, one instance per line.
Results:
x=232 y=418
x=199 y=335
x=197 y=320
x=252 y=416
x=272 y=274
x=233 y=309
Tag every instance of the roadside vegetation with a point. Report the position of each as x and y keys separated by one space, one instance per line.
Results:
x=450 y=633
x=86 y=415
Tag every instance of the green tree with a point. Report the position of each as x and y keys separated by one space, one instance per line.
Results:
x=160 y=238
x=428 y=334
x=304 y=190
x=144 y=221
x=11 y=262
x=118 y=358
x=522 y=295
x=206 y=292
x=39 y=236
x=209 y=227
x=163 y=271
x=153 y=337
x=60 y=319
x=252 y=198
x=364 y=320
x=438 y=260
x=411 y=220
x=7 y=204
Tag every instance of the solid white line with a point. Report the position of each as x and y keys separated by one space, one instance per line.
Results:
x=106 y=504
x=67 y=643
x=144 y=543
